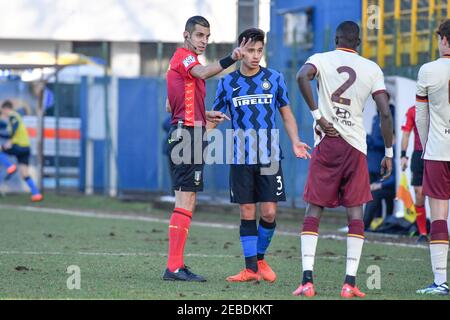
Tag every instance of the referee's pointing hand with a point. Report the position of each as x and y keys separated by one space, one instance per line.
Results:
x=216 y=117
x=239 y=52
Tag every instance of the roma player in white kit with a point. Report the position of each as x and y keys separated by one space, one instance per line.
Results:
x=433 y=125
x=338 y=173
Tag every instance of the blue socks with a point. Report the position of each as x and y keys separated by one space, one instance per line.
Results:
x=4 y=160
x=249 y=240
x=255 y=241
x=265 y=234
x=31 y=185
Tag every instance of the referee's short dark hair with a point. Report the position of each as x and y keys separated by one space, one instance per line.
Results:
x=192 y=21
x=254 y=33
x=7 y=105
x=444 y=30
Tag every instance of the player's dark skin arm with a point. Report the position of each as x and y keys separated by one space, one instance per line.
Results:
x=382 y=102
x=304 y=77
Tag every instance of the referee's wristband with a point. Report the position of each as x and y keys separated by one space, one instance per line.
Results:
x=316 y=114
x=226 y=62
x=403 y=154
x=389 y=152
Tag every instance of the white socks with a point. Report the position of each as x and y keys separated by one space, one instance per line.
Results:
x=354 y=250
x=439 y=254
x=309 y=244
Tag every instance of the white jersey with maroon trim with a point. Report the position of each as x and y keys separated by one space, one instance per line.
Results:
x=345 y=82
x=433 y=109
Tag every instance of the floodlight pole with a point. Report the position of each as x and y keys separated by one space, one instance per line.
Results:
x=56 y=116
x=40 y=132
x=107 y=151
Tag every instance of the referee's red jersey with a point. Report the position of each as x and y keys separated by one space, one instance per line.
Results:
x=186 y=93
x=410 y=124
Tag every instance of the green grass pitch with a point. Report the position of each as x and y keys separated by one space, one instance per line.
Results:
x=125 y=258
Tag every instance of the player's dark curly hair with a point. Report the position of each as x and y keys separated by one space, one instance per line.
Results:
x=254 y=33
x=444 y=29
x=192 y=21
x=347 y=34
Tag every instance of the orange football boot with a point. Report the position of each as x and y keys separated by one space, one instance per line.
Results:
x=266 y=271
x=37 y=197
x=10 y=171
x=350 y=292
x=245 y=276
x=306 y=290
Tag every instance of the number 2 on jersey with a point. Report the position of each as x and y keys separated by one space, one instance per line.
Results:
x=337 y=95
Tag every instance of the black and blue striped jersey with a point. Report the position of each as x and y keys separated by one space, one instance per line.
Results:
x=252 y=103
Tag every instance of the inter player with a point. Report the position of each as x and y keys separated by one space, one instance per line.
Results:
x=186 y=101
x=433 y=125
x=18 y=145
x=252 y=95
x=416 y=170
x=338 y=173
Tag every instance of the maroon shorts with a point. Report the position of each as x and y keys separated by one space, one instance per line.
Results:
x=337 y=175
x=436 y=179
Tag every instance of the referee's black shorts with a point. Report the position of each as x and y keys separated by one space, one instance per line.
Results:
x=249 y=184
x=417 y=168
x=186 y=155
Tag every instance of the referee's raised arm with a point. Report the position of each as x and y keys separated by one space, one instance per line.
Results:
x=206 y=72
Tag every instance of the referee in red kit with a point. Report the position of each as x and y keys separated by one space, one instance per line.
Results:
x=186 y=101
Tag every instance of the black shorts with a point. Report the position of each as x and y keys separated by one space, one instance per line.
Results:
x=416 y=168
x=248 y=185
x=186 y=155
x=22 y=154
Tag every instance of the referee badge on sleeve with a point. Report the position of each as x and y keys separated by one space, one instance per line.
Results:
x=188 y=61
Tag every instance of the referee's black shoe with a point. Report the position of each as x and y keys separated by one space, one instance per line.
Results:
x=423 y=239
x=182 y=274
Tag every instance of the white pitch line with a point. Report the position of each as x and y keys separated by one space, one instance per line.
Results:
x=388 y=243
x=152 y=254
x=111 y=254
x=99 y=215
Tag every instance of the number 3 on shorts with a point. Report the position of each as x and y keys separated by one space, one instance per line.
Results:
x=280 y=183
